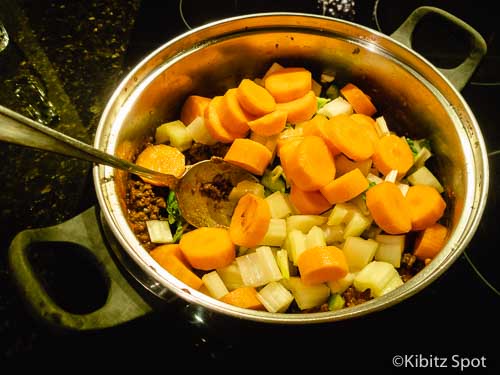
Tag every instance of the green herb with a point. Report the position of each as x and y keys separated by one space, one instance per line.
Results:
x=412 y=145
x=174 y=216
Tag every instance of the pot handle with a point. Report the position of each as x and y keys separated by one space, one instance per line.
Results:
x=460 y=75
x=122 y=304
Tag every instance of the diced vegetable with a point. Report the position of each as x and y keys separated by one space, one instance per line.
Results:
x=176 y=133
x=357 y=224
x=341 y=213
x=338 y=106
x=244 y=187
x=423 y=176
x=159 y=231
x=359 y=252
x=198 y=131
x=276 y=233
x=283 y=263
x=336 y=302
x=296 y=244
x=333 y=233
x=392 y=153
x=278 y=205
x=426 y=206
x=395 y=282
x=381 y=127
x=258 y=268
x=231 y=276
x=376 y=276
x=390 y=248
x=245 y=297
x=304 y=223
x=430 y=241
x=308 y=296
x=214 y=284
x=250 y=221
x=321 y=264
x=249 y=155
x=339 y=286
x=268 y=263
x=315 y=237
x=162 y=158
x=275 y=297
x=361 y=103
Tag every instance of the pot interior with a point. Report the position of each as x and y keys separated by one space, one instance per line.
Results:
x=415 y=99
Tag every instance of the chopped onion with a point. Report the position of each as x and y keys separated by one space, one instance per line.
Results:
x=390 y=248
x=338 y=106
x=381 y=126
x=159 y=231
x=231 y=276
x=214 y=284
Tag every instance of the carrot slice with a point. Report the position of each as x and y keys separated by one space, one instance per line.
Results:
x=388 y=207
x=308 y=202
x=430 y=241
x=193 y=107
x=162 y=158
x=213 y=123
x=369 y=124
x=288 y=84
x=392 y=153
x=286 y=149
x=426 y=206
x=250 y=220
x=350 y=138
x=254 y=98
x=311 y=166
x=300 y=109
x=343 y=165
x=345 y=187
x=234 y=118
x=249 y=155
x=245 y=297
x=361 y=103
x=320 y=126
x=208 y=248
x=180 y=270
x=270 y=124
x=161 y=251
x=321 y=264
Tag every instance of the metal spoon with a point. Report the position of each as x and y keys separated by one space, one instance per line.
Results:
x=198 y=207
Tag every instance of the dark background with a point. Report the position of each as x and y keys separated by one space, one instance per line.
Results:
x=62 y=64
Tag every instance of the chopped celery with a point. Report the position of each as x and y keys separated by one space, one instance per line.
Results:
x=198 y=131
x=390 y=248
x=251 y=272
x=231 y=276
x=214 y=284
x=174 y=132
x=375 y=276
x=268 y=263
x=341 y=212
x=283 y=263
x=395 y=282
x=357 y=224
x=315 y=237
x=296 y=243
x=308 y=296
x=279 y=205
x=424 y=176
x=322 y=101
x=381 y=126
x=359 y=252
x=333 y=233
x=244 y=187
x=159 y=231
x=273 y=182
x=340 y=285
x=276 y=233
x=275 y=297
x=338 y=106
x=304 y=223
x=391 y=176
x=336 y=302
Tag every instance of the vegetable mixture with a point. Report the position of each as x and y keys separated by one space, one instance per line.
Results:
x=345 y=210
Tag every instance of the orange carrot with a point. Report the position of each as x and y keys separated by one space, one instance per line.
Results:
x=213 y=123
x=254 y=98
x=426 y=206
x=193 y=107
x=300 y=109
x=249 y=155
x=308 y=202
x=369 y=124
x=250 y=220
x=361 y=103
x=161 y=251
x=245 y=297
x=208 y=248
x=311 y=166
x=388 y=207
x=343 y=165
x=430 y=241
x=321 y=264
x=320 y=126
x=286 y=149
x=392 y=153
x=270 y=124
x=162 y=158
x=288 y=84
x=350 y=138
x=234 y=118
x=345 y=187
x=180 y=270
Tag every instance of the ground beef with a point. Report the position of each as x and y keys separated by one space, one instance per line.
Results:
x=354 y=297
x=144 y=202
x=410 y=266
x=218 y=189
x=198 y=152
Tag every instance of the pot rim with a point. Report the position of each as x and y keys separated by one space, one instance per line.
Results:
x=463 y=233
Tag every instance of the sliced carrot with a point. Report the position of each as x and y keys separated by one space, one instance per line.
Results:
x=249 y=155
x=300 y=109
x=392 y=153
x=321 y=264
x=308 y=202
x=181 y=271
x=250 y=220
x=232 y=116
x=361 y=103
x=426 y=206
x=213 y=123
x=208 y=248
x=311 y=166
x=350 y=138
x=430 y=241
x=320 y=126
x=162 y=158
x=288 y=84
x=369 y=124
x=193 y=107
x=286 y=149
x=271 y=124
x=343 y=165
x=345 y=187
x=254 y=98
x=388 y=207
x=245 y=297
x=161 y=251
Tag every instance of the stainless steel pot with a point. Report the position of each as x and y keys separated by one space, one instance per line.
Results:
x=415 y=97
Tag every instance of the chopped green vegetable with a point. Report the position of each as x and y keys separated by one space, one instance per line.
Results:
x=322 y=101
x=370 y=185
x=174 y=216
x=273 y=181
x=413 y=148
x=336 y=302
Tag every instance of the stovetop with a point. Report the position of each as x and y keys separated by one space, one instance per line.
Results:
x=63 y=61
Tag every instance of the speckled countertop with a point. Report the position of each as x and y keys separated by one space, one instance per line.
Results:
x=64 y=60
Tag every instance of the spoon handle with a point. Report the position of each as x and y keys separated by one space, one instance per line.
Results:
x=18 y=129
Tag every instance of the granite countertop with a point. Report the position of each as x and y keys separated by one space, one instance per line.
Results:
x=63 y=61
